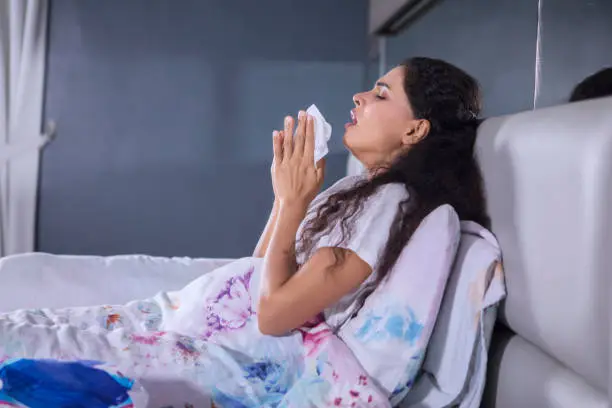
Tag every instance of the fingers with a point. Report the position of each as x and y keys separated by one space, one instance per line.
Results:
x=288 y=138
x=321 y=164
x=277 y=145
x=320 y=171
x=309 y=142
x=300 y=136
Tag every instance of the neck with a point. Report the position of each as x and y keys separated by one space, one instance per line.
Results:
x=377 y=169
x=373 y=166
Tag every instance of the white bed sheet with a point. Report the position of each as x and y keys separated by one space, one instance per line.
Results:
x=37 y=280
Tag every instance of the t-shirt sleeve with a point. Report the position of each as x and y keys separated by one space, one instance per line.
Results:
x=371 y=226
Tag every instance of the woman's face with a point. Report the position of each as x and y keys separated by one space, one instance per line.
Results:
x=383 y=124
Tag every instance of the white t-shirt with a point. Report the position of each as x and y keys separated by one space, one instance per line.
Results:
x=369 y=238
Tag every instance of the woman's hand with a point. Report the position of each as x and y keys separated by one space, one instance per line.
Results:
x=295 y=178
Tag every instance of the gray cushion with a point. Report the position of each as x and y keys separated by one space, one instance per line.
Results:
x=548 y=176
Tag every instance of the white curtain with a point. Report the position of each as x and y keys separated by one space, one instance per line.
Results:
x=23 y=31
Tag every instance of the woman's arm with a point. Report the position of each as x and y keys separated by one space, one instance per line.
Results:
x=288 y=298
x=264 y=239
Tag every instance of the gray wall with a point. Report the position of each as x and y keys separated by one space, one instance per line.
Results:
x=165 y=108
x=576 y=42
x=495 y=41
x=165 y=111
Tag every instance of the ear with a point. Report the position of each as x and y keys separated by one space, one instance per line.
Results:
x=417 y=131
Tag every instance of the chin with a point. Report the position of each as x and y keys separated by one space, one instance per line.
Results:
x=347 y=143
x=349 y=138
x=349 y=146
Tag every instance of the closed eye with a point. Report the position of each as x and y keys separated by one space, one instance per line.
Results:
x=380 y=92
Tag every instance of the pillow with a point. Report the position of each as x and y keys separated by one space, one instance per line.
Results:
x=454 y=370
x=390 y=333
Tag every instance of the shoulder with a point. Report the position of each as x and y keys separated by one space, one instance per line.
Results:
x=372 y=225
x=344 y=183
x=387 y=197
x=391 y=191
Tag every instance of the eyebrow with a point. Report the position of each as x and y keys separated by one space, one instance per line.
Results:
x=383 y=85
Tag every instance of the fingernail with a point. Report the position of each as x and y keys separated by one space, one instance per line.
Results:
x=310 y=118
x=301 y=114
x=287 y=120
x=275 y=134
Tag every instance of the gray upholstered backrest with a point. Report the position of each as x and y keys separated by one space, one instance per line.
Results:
x=548 y=176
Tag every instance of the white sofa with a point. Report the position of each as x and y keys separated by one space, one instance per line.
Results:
x=548 y=176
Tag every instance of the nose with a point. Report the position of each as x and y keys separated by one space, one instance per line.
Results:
x=358 y=99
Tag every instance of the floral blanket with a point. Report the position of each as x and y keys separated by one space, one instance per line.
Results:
x=190 y=348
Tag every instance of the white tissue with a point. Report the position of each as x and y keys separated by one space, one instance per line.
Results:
x=322 y=133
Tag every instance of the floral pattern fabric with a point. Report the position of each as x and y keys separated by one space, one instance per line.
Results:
x=204 y=338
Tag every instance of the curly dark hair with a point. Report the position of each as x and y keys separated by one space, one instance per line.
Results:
x=439 y=169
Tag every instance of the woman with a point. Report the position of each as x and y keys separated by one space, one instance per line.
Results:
x=233 y=331
x=414 y=133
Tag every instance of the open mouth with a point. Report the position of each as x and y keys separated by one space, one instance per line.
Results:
x=353 y=121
